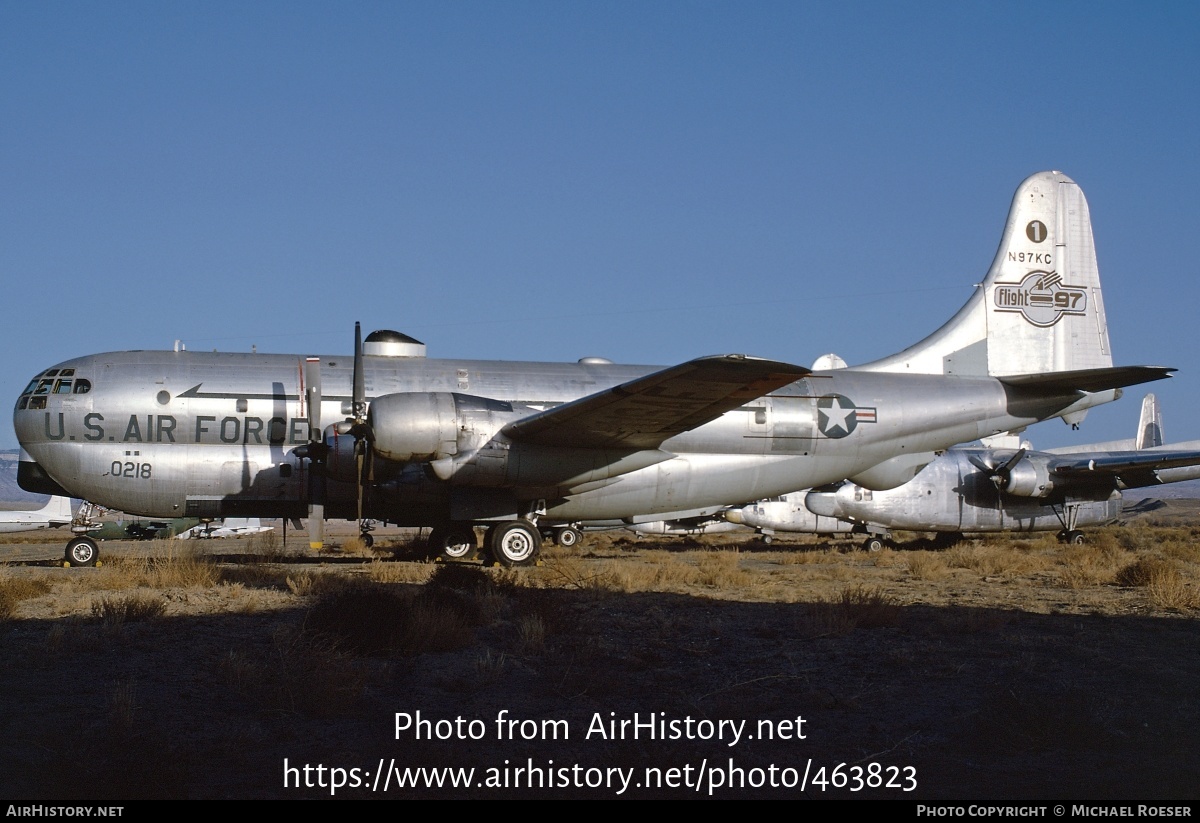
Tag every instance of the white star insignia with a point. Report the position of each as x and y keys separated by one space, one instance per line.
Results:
x=837 y=416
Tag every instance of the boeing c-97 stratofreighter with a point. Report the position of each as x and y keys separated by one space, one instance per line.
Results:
x=518 y=447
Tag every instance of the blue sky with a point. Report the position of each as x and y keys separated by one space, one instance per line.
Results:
x=648 y=182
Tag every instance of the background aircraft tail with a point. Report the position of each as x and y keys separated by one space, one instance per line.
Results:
x=57 y=508
x=1038 y=310
x=1150 y=425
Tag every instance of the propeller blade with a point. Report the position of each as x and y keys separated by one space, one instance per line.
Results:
x=359 y=397
x=978 y=462
x=1013 y=461
x=316 y=459
x=312 y=384
x=363 y=436
x=316 y=526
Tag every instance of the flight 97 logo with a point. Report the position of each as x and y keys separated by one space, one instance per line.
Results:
x=1041 y=297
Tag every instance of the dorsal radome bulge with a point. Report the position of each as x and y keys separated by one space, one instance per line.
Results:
x=388 y=343
x=828 y=362
x=595 y=361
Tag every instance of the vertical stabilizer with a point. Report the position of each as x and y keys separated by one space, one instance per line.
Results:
x=1038 y=310
x=1150 y=430
x=57 y=508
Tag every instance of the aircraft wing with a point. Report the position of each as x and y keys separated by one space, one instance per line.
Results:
x=642 y=413
x=1134 y=468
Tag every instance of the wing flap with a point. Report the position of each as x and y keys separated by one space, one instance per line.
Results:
x=642 y=413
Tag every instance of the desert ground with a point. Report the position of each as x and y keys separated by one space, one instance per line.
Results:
x=1003 y=668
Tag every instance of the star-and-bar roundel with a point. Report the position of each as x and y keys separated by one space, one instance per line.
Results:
x=837 y=416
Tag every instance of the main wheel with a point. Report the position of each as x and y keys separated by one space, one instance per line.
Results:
x=515 y=544
x=453 y=543
x=872 y=544
x=1074 y=538
x=367 y=539
x=82 y=551
x=568 y=537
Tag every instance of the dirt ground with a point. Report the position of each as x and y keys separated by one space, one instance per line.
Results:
x=1000 y=669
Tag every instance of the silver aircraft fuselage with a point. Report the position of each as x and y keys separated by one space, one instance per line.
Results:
x=161 y=433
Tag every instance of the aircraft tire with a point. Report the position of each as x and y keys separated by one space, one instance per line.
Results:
x=766 y=539
x=82 y=551
x=568 y=537
x=367 y=539
x=872 y=544
x=515 y=544
x=453 y=543
x=1074 y=538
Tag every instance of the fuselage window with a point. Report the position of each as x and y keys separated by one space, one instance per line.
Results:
x=51 y=373
x=32 y=385
x=83 y=386
x=37 y=401
x=66 y=373
x=62 y=387
x=44 y=386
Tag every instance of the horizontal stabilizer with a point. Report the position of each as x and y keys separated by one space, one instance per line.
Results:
x=1089 y=380
x=642 y=413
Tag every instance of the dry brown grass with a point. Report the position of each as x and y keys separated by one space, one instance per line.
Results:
x=303 y=674
x=531 y=634
x=994 y=558
x=722 y=570
x=856 y=607
x=373 y=619
x=1144 y=570
x=168 y=567
x=131 y=608
x=381 y=571
x=924 y=565
x=1092 y=564
x=15 y=589
x=1165 y=585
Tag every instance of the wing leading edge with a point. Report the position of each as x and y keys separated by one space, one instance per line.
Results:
x=642 y=413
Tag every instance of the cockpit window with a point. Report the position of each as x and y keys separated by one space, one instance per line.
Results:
x=54 y=381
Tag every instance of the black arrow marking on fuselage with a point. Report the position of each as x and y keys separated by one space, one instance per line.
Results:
x=194 y=391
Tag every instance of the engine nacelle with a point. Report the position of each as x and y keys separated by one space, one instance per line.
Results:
x=428 y=426
x=1029 y=478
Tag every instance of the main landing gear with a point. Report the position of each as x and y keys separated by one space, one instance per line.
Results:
x=81 y=549
x=1068 y=516
x=515 y=543
x=454 y=542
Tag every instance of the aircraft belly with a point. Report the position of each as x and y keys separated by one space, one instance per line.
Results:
x=698 y=481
